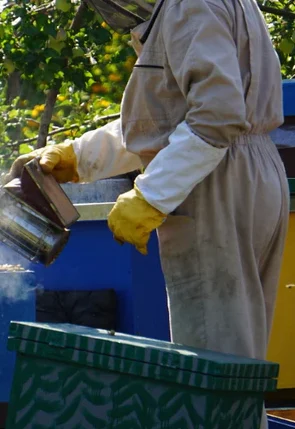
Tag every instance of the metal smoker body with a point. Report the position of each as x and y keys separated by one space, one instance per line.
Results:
x=35 y=214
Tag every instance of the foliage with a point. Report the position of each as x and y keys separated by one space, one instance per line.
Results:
x=282 y=31
x=90 y=67
x=89 y=64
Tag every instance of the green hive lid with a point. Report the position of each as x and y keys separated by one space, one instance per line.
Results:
x=292 y=185
x=142 y=356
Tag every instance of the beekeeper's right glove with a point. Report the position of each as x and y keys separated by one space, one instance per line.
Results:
x=59 y=160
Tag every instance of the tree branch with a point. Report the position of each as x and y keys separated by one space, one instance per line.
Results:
x=63 y=129
x=274 y=11
x=44 y=8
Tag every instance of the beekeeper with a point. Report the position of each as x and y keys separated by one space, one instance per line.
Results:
x=197 y=111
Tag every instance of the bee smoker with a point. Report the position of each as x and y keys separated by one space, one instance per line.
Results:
x=35 y=214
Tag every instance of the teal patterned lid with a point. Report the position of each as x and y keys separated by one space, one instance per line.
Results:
x=292 y=185
x=142 y=356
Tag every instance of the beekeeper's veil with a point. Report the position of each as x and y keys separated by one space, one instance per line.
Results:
x=123 y=15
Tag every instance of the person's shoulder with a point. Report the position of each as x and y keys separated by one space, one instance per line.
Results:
x=222 y=8
x=224 y=5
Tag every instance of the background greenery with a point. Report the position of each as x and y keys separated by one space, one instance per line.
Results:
x=63 y=71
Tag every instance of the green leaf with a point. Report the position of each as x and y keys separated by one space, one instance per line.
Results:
x=287 y=46
x=99 y=35
x=13 y=113
x=50 y=29
x=30 y=30
x=25 y=148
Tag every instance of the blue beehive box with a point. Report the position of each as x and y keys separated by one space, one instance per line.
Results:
x=289 y=97
x=92 y=260
x=278 y=423
x=17 y=302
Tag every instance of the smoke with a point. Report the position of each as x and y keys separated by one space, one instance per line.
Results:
x=17 y=279
x=16 y=285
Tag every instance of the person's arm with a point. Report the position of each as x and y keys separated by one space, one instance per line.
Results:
x=101 y=154
x=95 y=155
x=203 y=59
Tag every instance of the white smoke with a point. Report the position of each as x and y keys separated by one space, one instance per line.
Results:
x=17 y=279
x=16 y=285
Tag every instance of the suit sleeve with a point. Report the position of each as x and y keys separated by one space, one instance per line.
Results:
x=101 y=154
x=202 y=56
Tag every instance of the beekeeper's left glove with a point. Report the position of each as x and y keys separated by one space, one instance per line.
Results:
x=59 y=160
x=132 y=220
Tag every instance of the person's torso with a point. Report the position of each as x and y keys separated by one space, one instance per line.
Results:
x=153 y=104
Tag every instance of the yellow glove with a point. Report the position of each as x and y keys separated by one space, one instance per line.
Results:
x=132 y=220
x=59 y=160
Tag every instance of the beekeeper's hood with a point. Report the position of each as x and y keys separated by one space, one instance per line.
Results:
x=123 y=15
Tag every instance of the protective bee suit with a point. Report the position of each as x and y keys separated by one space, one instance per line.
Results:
x=196 y=113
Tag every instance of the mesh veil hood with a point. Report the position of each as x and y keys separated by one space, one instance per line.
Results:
x=123 y=15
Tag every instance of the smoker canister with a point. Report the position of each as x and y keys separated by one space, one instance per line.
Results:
x=30 y=233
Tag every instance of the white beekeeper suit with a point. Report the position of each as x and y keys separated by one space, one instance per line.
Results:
x=204 y=95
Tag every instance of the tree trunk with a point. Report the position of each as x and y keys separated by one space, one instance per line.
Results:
x=53 y=92
x=46 y=117
x=13 y=87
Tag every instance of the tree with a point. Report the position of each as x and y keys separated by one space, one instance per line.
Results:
x=280 y=18
x=63 y=71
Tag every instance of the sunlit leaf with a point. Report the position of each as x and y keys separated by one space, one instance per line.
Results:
x=25 y=148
